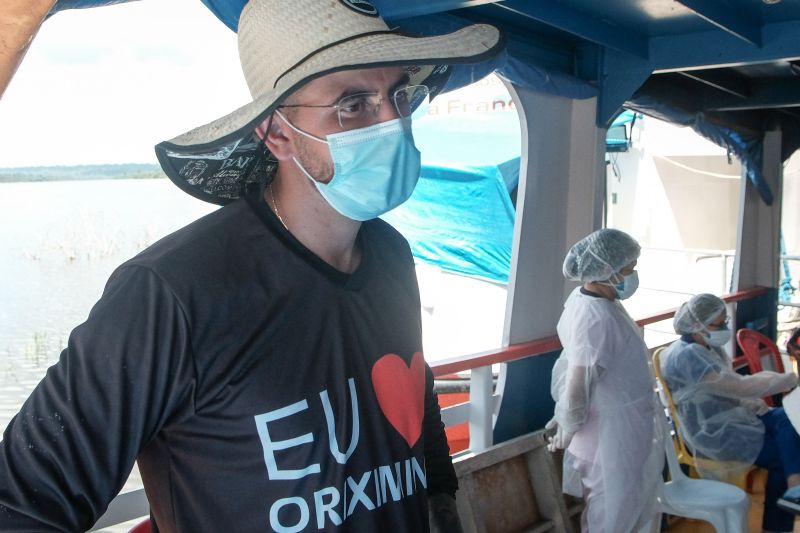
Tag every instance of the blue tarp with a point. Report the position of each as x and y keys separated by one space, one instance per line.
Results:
x=461 y=219
x=748 y=148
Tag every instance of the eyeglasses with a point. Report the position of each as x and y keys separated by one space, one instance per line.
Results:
x=723 y=324
x=359 y=110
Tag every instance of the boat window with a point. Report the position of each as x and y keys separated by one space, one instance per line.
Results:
x=460 y=218
x=659 y=191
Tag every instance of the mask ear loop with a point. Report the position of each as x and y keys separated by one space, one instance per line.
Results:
x=269 y=159
x=305 y=172
x=295 y=128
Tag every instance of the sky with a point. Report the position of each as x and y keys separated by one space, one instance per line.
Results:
x=104 y=85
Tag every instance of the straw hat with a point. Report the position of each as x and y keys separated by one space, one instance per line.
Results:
x=284 y=44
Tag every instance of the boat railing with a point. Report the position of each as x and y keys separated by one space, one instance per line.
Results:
x=480 y=411
x=725 y=258
x=484 y=402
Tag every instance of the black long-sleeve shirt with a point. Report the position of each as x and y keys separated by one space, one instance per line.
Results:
x=259 y=388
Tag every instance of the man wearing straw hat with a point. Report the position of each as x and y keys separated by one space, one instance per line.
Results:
x=264 y=363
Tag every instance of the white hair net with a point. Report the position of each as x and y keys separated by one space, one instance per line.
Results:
x=698 y=312
x=599 y=255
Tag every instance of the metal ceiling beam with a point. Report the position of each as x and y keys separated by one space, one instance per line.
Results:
x=619 y=77
x=720 y=80
x=767 y=96
x=521 y=44
x=735 y=22
x=393 y=10
x=580 y=24
x=680 y=95
x=707 y=49
x=693 y=51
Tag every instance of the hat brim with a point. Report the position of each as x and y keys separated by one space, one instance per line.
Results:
x=216 y=162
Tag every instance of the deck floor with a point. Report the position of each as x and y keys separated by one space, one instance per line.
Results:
x=685 y=525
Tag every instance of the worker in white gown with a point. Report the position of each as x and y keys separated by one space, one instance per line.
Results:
x=603 y=384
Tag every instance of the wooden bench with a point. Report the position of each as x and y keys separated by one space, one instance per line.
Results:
x=515 y=486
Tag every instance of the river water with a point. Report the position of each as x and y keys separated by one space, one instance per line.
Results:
x=59 y=242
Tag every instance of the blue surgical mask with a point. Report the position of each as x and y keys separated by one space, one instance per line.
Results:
x=628 y=286
x=375 y=169
x=718 y=337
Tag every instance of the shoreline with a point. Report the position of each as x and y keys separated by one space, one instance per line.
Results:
x=80 y=172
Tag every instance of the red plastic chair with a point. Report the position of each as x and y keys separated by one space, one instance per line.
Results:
x=755 y=345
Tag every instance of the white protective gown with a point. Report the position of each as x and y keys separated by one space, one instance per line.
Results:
x=603 y=385
x=718 y=408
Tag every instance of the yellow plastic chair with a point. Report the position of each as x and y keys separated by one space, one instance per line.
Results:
x=744 y=481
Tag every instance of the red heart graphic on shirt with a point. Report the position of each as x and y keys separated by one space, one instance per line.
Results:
x=401 y=393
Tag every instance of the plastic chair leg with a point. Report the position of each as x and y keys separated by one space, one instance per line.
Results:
x=720 y=524
x=736 y=517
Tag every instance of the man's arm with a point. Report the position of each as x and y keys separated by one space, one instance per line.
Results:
x=442 y=481
x=443 y=516
x=72 y=445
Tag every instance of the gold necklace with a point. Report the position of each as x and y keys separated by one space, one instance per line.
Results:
x=275 y=206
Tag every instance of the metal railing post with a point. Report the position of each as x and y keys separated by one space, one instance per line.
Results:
x=481 y=408
x=730 y=348
x=724 y=286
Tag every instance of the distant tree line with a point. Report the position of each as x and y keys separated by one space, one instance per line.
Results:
x=81 y=172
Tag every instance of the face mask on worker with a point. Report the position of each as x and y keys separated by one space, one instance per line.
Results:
x=375 y=169
x=627 y=286
x=624 y=285
x=718 y=337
